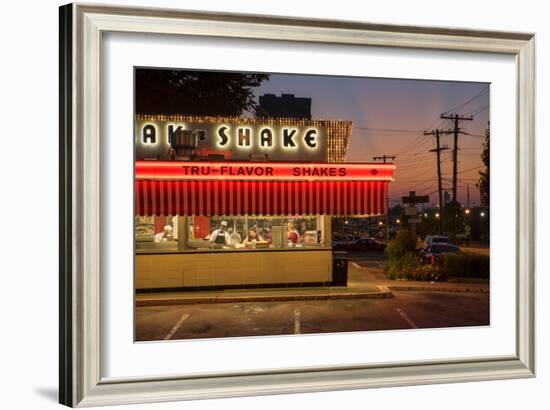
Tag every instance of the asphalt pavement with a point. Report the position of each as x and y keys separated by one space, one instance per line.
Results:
x=406 y=310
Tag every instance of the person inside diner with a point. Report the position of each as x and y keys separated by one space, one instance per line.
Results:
x=220 y=236
x=293 y=236
x=165 y=235
x=234 y=238
x=267 y=234
x=252 y=237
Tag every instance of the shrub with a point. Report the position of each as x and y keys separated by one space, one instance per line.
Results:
x=401 y=267
x=429 y=272
x=403 y=244
x=466 y=265
x=409 y=267
x=404 y=262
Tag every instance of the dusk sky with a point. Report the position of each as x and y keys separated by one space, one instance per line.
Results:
x=389 y=117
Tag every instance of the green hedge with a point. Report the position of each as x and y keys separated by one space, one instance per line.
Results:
x=404 y=263
x=409 y=267
x=466 y=265
x=399 y=268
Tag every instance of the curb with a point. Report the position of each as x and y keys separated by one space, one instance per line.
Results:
x=384 y=292
x=438 y=289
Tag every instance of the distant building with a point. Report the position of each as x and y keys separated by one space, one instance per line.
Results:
x=285 y=106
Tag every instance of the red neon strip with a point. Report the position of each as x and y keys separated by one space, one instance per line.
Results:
x=247 y=171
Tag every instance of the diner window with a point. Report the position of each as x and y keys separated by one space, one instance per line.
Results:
x=252 y=232
x=156 y=232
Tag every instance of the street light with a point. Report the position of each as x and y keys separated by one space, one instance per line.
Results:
x=425 y=215
x=380 y=223
x=482 y=214
x=467 y=211
x=437 y=214
x=398 y=221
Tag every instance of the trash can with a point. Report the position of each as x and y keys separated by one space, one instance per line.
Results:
x=339 y=272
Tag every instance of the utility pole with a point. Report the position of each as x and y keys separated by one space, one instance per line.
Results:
x=456 y=118
x=438 y=148
x=468 y=194
x=384 y=158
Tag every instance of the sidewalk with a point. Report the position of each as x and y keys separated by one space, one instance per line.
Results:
x=363 y=282
x=376 y=275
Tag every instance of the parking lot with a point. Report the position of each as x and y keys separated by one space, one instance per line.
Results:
x=406 y=310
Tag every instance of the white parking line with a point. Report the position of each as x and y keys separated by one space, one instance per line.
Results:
x=172 y=332
x=297 y=317
x=407 y=318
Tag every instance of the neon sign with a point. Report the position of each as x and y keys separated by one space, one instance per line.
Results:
x=289 y=137
x=241 y=138
x=180 y=170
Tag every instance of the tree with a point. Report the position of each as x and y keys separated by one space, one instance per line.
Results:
x=195 y=92
x=396 y=211
x=484 y=180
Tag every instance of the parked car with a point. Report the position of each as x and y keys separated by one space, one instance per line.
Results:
x=432 y=254
x=359 y=244
x=369 y=244
x=431 y=239
x=343 y=243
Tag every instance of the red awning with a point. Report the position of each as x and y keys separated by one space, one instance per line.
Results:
x=211 y=198
x=195 y=188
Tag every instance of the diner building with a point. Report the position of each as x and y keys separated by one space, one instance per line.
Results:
x=231 y=202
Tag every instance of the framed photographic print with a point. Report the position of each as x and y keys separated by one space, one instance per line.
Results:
x=258 y=205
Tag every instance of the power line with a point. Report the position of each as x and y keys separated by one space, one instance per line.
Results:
x=413 y=188
x=432 y=124
x=471 y=169
x=478 y=110
x=475 y=97
x=384 y=158
x=415 y=180
x=412 y=144
x=419 y=168
x=419 y=161
x=413 y=155
x=388 y=129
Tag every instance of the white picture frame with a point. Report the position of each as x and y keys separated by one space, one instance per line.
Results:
x=81 y=32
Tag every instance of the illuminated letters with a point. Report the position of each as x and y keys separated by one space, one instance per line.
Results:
x=319 y=172
x=149 y=134
x=311 y=138
x=172 y=131
x=243 y=138
x=266 y=138
x=262 y=136
x=224 y=138
x=288 y=134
